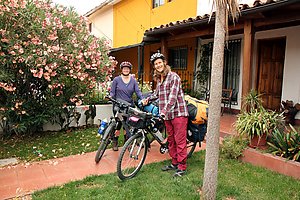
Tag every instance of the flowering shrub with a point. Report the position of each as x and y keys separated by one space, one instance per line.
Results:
x=48 y=60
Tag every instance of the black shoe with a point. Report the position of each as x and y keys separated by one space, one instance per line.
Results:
x=179 y=173
x=169 y=167
x=115 y=144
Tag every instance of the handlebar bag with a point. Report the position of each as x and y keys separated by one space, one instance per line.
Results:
x=136 y=118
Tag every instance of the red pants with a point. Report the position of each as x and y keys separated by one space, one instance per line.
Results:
x=177 y=130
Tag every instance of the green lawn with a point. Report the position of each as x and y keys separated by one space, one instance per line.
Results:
x=51 y=145
x=236 y=180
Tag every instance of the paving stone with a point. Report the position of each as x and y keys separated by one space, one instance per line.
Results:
x=8 y=161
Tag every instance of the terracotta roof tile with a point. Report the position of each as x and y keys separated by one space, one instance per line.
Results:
x=242 y=7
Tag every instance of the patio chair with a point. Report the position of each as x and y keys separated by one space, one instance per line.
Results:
x=226 y=100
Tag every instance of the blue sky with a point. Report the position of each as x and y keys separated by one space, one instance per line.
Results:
x=82 y=6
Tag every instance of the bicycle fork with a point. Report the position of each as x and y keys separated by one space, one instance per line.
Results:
x=139 y=144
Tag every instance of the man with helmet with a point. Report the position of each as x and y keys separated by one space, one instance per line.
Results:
x=174 y=110
x=123 y=87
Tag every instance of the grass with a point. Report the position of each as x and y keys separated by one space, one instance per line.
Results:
x=49 y=145
x=236 y=180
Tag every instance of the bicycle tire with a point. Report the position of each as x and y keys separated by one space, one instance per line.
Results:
x=105 y=141
x=135 y=144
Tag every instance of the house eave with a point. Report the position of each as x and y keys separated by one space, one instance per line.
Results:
x=201 y=22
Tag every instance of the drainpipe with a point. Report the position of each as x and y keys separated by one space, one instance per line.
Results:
x=141 y=62
x=195 y=64
x=164 y=47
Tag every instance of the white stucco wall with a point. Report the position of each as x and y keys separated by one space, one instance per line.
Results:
x=291 y=71
x=102 y=112
x=205 y=6
x=102 y=24
x=291 y=74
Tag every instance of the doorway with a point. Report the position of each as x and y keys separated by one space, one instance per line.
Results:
x=270 y=71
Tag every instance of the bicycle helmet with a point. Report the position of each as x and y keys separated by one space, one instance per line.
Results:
x=156 y=56
x=126 y=64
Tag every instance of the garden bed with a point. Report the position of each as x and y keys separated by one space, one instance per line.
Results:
x=271 y=162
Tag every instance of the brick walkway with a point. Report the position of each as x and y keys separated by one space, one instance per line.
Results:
x=22 y=179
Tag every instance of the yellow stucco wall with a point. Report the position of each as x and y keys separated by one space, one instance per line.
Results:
x=133 y=17
x=131 y=55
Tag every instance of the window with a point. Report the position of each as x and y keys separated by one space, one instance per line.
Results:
x=177 y=57
x=231 y=70
x=157 y=3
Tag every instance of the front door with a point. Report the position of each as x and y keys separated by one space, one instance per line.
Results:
x=271 y=62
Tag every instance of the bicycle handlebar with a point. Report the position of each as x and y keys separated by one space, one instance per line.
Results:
x=118 y=101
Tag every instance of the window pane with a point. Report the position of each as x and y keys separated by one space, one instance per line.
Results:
x=178 y=57
x=157 y=3
x=231 y=70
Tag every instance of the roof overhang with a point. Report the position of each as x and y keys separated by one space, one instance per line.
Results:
x=101 y=6
x=113 y=50
x=259 y=11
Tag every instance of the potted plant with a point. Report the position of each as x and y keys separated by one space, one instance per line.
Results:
x=256 y=122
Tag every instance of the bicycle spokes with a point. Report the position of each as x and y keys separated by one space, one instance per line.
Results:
x=132 y=157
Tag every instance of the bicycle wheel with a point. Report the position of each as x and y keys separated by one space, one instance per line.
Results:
x=132 y=157
x=105 y=141
x=191 y=146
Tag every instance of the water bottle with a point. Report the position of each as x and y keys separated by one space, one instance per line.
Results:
x=158 y=134
x=102 y=126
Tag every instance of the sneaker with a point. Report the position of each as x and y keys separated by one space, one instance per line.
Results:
x=179 y=173
x=115 y=148
x=115 y=145
x=169 y=167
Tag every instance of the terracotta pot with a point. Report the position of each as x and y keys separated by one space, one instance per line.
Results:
x=259 y=142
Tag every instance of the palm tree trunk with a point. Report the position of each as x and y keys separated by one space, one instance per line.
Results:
x=213 y=132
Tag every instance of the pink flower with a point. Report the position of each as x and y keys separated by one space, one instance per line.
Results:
x=55 y=48
x=52 y=36
x=36 y=41
x=85 y=108
x=78 y=103
x=47 y=76
x=69 y=24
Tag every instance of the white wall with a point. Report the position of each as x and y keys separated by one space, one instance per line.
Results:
x=291 y=73
x=103 y=24
x=102 y=111
x=205 y=6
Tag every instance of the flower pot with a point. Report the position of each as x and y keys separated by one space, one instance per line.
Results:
x=258 y=142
